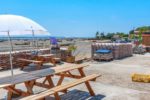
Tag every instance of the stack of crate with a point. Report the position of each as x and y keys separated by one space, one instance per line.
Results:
x=119 y=50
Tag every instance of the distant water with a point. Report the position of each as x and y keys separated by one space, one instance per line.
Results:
x=5 y=38
x=22 y=38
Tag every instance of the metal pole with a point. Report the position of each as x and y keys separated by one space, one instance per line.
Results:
x=37 y=48
x=35 y=44
x=10 y=53
x=33 y=39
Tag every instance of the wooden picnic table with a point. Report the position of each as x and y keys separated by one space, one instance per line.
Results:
x=38 y=60
x=31 y=79
x=23 y=62
x=49 y=58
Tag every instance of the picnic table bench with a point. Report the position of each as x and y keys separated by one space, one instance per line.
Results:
x=31 y=79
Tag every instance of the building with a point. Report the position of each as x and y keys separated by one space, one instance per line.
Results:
x=145 y=37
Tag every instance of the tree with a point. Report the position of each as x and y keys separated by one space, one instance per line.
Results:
x=102 y=35
x=143 y=28
x=131 y=32
x=140 y=30
x=109 y=35
x=122 y=35
x=97 y=35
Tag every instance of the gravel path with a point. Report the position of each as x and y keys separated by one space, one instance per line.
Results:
x=119 y=72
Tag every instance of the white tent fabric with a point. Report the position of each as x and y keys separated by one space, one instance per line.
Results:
x=19 y=25
x=13 y=25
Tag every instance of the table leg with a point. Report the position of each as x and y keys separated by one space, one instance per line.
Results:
x=11 y=91
x=86 y=83
x=9 y=95
x=29 y=85
x=53 y=61
x=60 y=82
x=50 y=81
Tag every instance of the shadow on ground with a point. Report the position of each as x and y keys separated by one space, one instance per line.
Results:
x=32 y=67
x=73 y=95
x=78 y=95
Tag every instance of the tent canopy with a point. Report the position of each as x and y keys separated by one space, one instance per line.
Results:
x=19 y=25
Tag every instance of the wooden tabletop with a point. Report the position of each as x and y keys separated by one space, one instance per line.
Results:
x=21 y=78
x=28 y=60
x=46 y=55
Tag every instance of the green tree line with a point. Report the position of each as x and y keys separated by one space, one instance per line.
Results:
x=103 y=35
x=131 y=34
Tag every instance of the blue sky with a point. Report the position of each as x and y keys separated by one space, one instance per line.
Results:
x=81 y=18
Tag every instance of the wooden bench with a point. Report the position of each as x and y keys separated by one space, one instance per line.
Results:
x=31 y=79
x=25 y=62
x=55 y=90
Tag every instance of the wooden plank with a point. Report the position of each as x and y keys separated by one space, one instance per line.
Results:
x=60 y=80
x=42 y=85
x=13 y=90
x=86 y=83
x=9 y=95
x=50 y=81
x=27 y=60
x=71 y=76
x=61 y=88
x=46 y=55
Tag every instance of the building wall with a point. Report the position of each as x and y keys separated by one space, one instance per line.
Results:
x=146 y=40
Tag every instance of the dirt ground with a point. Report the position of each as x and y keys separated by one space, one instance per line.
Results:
x=115 y=82
x=118 y=72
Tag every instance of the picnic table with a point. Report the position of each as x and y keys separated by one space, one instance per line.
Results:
x=31 y=79
x=49 y=58
x=38 y=60
x=23 y=62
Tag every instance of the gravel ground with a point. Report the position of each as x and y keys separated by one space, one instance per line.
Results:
x=119 y=72
x=115 y=83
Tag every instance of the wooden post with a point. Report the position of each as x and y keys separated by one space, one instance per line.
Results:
x=9 y=95
x=50 y=81
x=29 y=85
x=86 y=83
x=60 y=80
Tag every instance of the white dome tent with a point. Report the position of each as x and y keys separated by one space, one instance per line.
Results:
x=14 y=25
x=19 y=24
